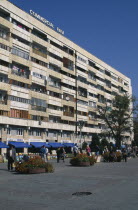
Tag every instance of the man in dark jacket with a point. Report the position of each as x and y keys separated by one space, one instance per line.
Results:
x=11 y=155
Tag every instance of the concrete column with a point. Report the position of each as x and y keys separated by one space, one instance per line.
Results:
x=43 y=135
x=26 y=134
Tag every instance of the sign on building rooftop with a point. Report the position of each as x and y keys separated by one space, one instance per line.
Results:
x=46 y=22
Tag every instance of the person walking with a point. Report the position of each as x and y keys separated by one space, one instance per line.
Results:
x=88 y=150
x=44 y=153
x=124 y=153
x=58 y=155
x=62 y=154
x=75 y=150
x=11 y=156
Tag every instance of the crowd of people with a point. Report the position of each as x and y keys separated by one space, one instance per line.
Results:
x=110 y=153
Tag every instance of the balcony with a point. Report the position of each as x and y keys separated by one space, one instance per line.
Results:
x=20 y=73
x=44 y=55
x=69 y=114
x=39 y=108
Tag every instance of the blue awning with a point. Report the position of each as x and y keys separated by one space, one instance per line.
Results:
x=123 y=146
x=55 y=144
x=40 y=144
x=19 y=144
x=69 y=144
x=2 y=145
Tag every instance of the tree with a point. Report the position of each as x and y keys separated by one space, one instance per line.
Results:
x=135 y=142
x=95 y=141
x=84 y=145
x=118 y=117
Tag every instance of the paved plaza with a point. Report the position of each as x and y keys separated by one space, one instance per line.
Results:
x=114 y=186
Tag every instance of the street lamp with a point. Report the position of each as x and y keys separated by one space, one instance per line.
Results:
x=81 y=124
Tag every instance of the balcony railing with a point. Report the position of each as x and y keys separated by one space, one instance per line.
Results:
x=4 y=102
x=39 y=53
x=69 y=114
x=22 y=73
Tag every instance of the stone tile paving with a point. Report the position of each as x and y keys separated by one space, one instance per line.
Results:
x=114 y=186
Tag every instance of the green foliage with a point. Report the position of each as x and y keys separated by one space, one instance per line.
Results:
x=49 y=168
x=84 y=145
x=82 y=158
x=104 y=143
x=119 y=119
x=92 y=160
x=95 y=141
x=32 y=163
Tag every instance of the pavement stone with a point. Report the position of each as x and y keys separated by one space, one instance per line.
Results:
x=113 y=187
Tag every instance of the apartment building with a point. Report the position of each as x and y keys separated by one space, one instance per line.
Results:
x=48 y=84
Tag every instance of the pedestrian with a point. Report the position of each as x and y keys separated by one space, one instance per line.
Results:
x=124 y=153
x=11 y=156
x=75 y=150
x=97 y=149
x=88 y=150
x=44 y=153
x=58 y=155
x=62 y=154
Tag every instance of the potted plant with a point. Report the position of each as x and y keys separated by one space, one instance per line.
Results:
x=34 y=165
x=92 y=160
x=118 y=156
x=80 y=160
x=106 y=156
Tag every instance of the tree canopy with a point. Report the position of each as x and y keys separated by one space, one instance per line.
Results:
x=118 y=117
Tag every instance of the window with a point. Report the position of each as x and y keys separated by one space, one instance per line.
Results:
x=3 y=97
x=17 y=113
x=82 y=92
x=82 y=59
x=58 y=108
x=4 y=63
x=68 y=97
x=20 y=132
x=4 y=113
x=22 y=100
x=82 y=79
x=39 y=34
x=4 y=33
x=38 y=104
x=107 y=73
x=20 y=70
x=38 y=62
x=56 y=45
x=20 y=39
x=38 y=88
x=68 y=63
x=54 y=67
x=91 y=75
x=92 y=104
x=68 y=111
x=92 y=115
x=39 y=50
x=82 y=102
x=3 y=78
x=20 y=25
x=40 y=76
x=67 y=50
x=54 y=94
x=52 y=133
x=20 y=53
x=19 y=84
x=54 y=119
x=5 y=47
x=55 y=56
x=8 y=131
x=38 y=133
x=55 y=82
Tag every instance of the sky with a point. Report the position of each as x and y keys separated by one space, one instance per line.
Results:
x=106 y=28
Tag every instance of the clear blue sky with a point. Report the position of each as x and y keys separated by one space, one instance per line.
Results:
x=106 y=28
